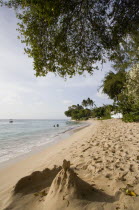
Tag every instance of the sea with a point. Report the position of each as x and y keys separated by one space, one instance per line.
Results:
x=23 y=136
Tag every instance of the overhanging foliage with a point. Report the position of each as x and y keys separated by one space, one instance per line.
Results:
x=69 y=37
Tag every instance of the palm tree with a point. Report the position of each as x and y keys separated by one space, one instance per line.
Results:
x=88 y=103
x=84 y=103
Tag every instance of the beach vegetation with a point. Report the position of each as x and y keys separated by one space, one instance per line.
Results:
x=88 y=103
x=123 y=88
x=80 y=112
x=71 y=37
x=114 y=84
x=103 y=112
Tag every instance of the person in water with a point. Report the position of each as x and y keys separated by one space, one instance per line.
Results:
x=56 y=125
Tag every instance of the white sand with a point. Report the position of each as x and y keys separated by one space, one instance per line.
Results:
x=104 y=161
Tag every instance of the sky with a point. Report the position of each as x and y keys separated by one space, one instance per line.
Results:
x=23 y=96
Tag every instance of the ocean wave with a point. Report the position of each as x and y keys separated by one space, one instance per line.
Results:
x=24 y=136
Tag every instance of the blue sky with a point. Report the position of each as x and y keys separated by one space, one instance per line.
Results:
x=22 y=95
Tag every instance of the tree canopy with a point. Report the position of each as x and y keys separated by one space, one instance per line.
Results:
x=123 y=88
x=70 y=37
x=88 y=103
x=78 y=112
x=114 y=84
x=103 y=112
x=132 y=83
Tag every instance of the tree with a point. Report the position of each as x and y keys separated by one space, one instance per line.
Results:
x=129 y=99
x=114 y=84
x=84 y=103
x=103 y=111
x=123 y=88
x=127 y=53
x=77 y=112
x=88 y=103
x=69 y=37
x=73 y=110
x=132 y=83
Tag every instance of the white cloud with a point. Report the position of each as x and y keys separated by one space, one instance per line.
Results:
x=67 y=102
x=100 y=94
x=11 y=99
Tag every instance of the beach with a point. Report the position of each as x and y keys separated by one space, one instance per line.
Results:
x=23 y=136
x=103 y=172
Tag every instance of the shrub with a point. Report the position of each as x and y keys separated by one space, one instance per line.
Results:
x=131 y=117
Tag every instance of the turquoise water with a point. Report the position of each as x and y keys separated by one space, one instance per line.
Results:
x=23 y=136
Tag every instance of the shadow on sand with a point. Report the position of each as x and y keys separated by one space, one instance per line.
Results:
x=40 y=180
x=37 y=181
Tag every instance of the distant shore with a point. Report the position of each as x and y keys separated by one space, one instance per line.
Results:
x=103 y=154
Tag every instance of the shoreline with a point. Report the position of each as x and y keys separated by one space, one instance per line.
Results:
x=47 y=157
x=104 y=157
x=37 y=149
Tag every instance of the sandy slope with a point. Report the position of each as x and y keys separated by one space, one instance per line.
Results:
x=104 y=162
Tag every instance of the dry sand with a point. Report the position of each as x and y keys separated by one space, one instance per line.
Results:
x=104 y=162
